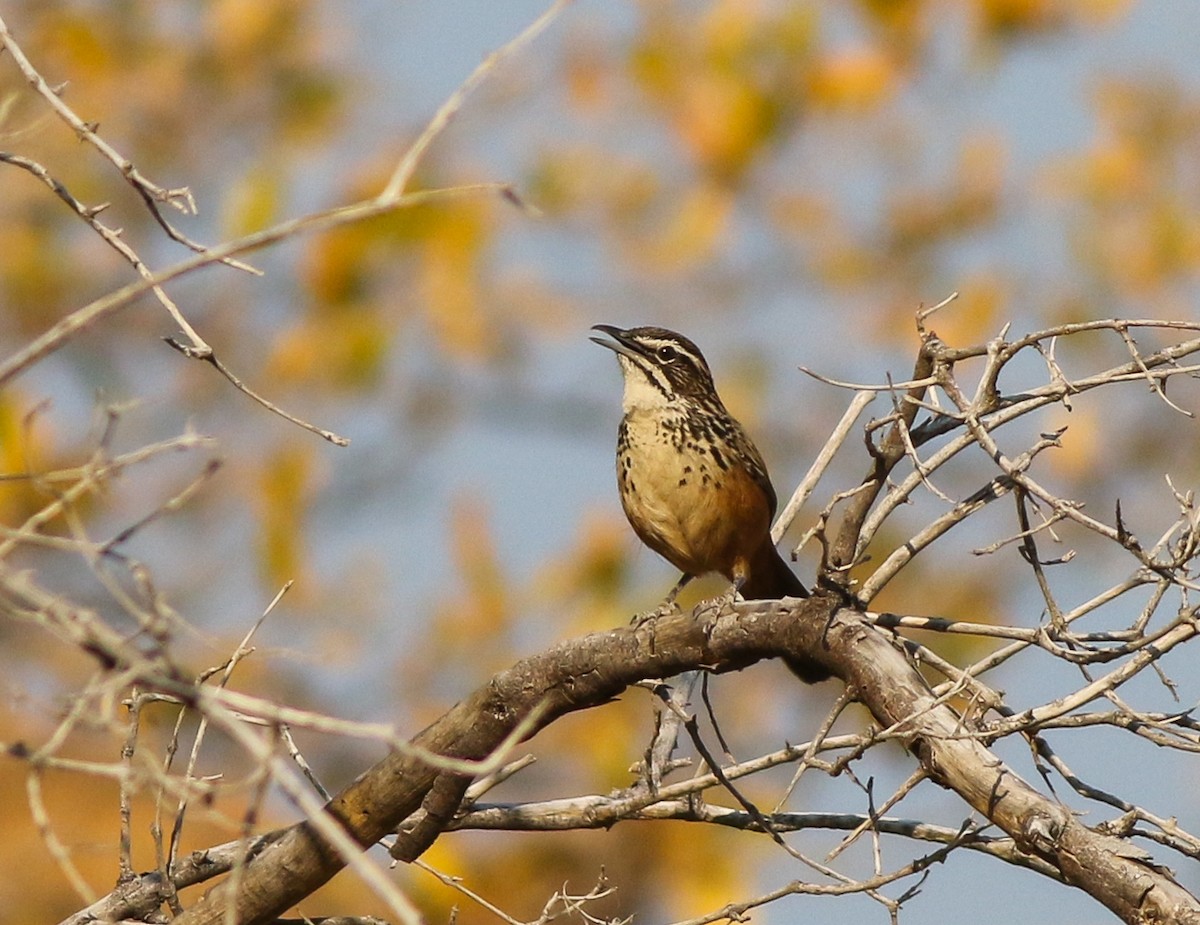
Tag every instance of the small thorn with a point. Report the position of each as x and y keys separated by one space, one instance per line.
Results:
x=192 y=353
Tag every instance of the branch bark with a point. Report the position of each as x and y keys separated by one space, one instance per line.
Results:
x=591 y=670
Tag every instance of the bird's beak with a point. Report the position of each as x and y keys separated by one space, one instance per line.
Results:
x=620 y=342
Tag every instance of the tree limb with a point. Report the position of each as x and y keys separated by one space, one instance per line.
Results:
x=591 y=670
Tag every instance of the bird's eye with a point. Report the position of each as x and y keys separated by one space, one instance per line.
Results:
x=667 y=354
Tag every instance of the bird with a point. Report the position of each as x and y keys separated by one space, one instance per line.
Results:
x=693 y=485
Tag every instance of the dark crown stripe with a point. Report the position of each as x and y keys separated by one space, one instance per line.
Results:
x=686 y=373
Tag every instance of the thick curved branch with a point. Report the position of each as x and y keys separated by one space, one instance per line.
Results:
x=593 y=669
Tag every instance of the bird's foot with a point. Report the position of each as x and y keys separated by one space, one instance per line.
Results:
x=665 y=609
x=715 y=606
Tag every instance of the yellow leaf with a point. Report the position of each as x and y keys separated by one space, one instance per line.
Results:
x=87 y=49
x=1005 y=16
x=975 y=315
x=239 y=30
x=853 y=79
x=24 y=447
x=1082 y=448
x=484 y=609
x=333 y=266
x=690 y=235
x=344 y=349
x=284 y=487
x=587 y=75
x=450 y=281
x=252 y=201
x=724 y=120
x=597 y=564
x=1116 y=170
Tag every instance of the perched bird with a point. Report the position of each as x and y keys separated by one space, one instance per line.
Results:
x=693 y=486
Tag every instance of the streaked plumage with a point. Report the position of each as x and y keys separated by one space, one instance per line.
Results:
x=693 y=485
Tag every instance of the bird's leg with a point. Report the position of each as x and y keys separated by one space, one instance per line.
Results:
x=674 y=593
x=740 y=575
x=730 y=596
x=668 y=605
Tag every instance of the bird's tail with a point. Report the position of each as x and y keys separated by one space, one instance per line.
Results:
x=771 y=579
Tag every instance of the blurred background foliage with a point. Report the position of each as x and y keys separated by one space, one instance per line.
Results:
x=783 y=181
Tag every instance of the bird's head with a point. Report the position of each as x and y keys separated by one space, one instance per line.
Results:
x=660 y=367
